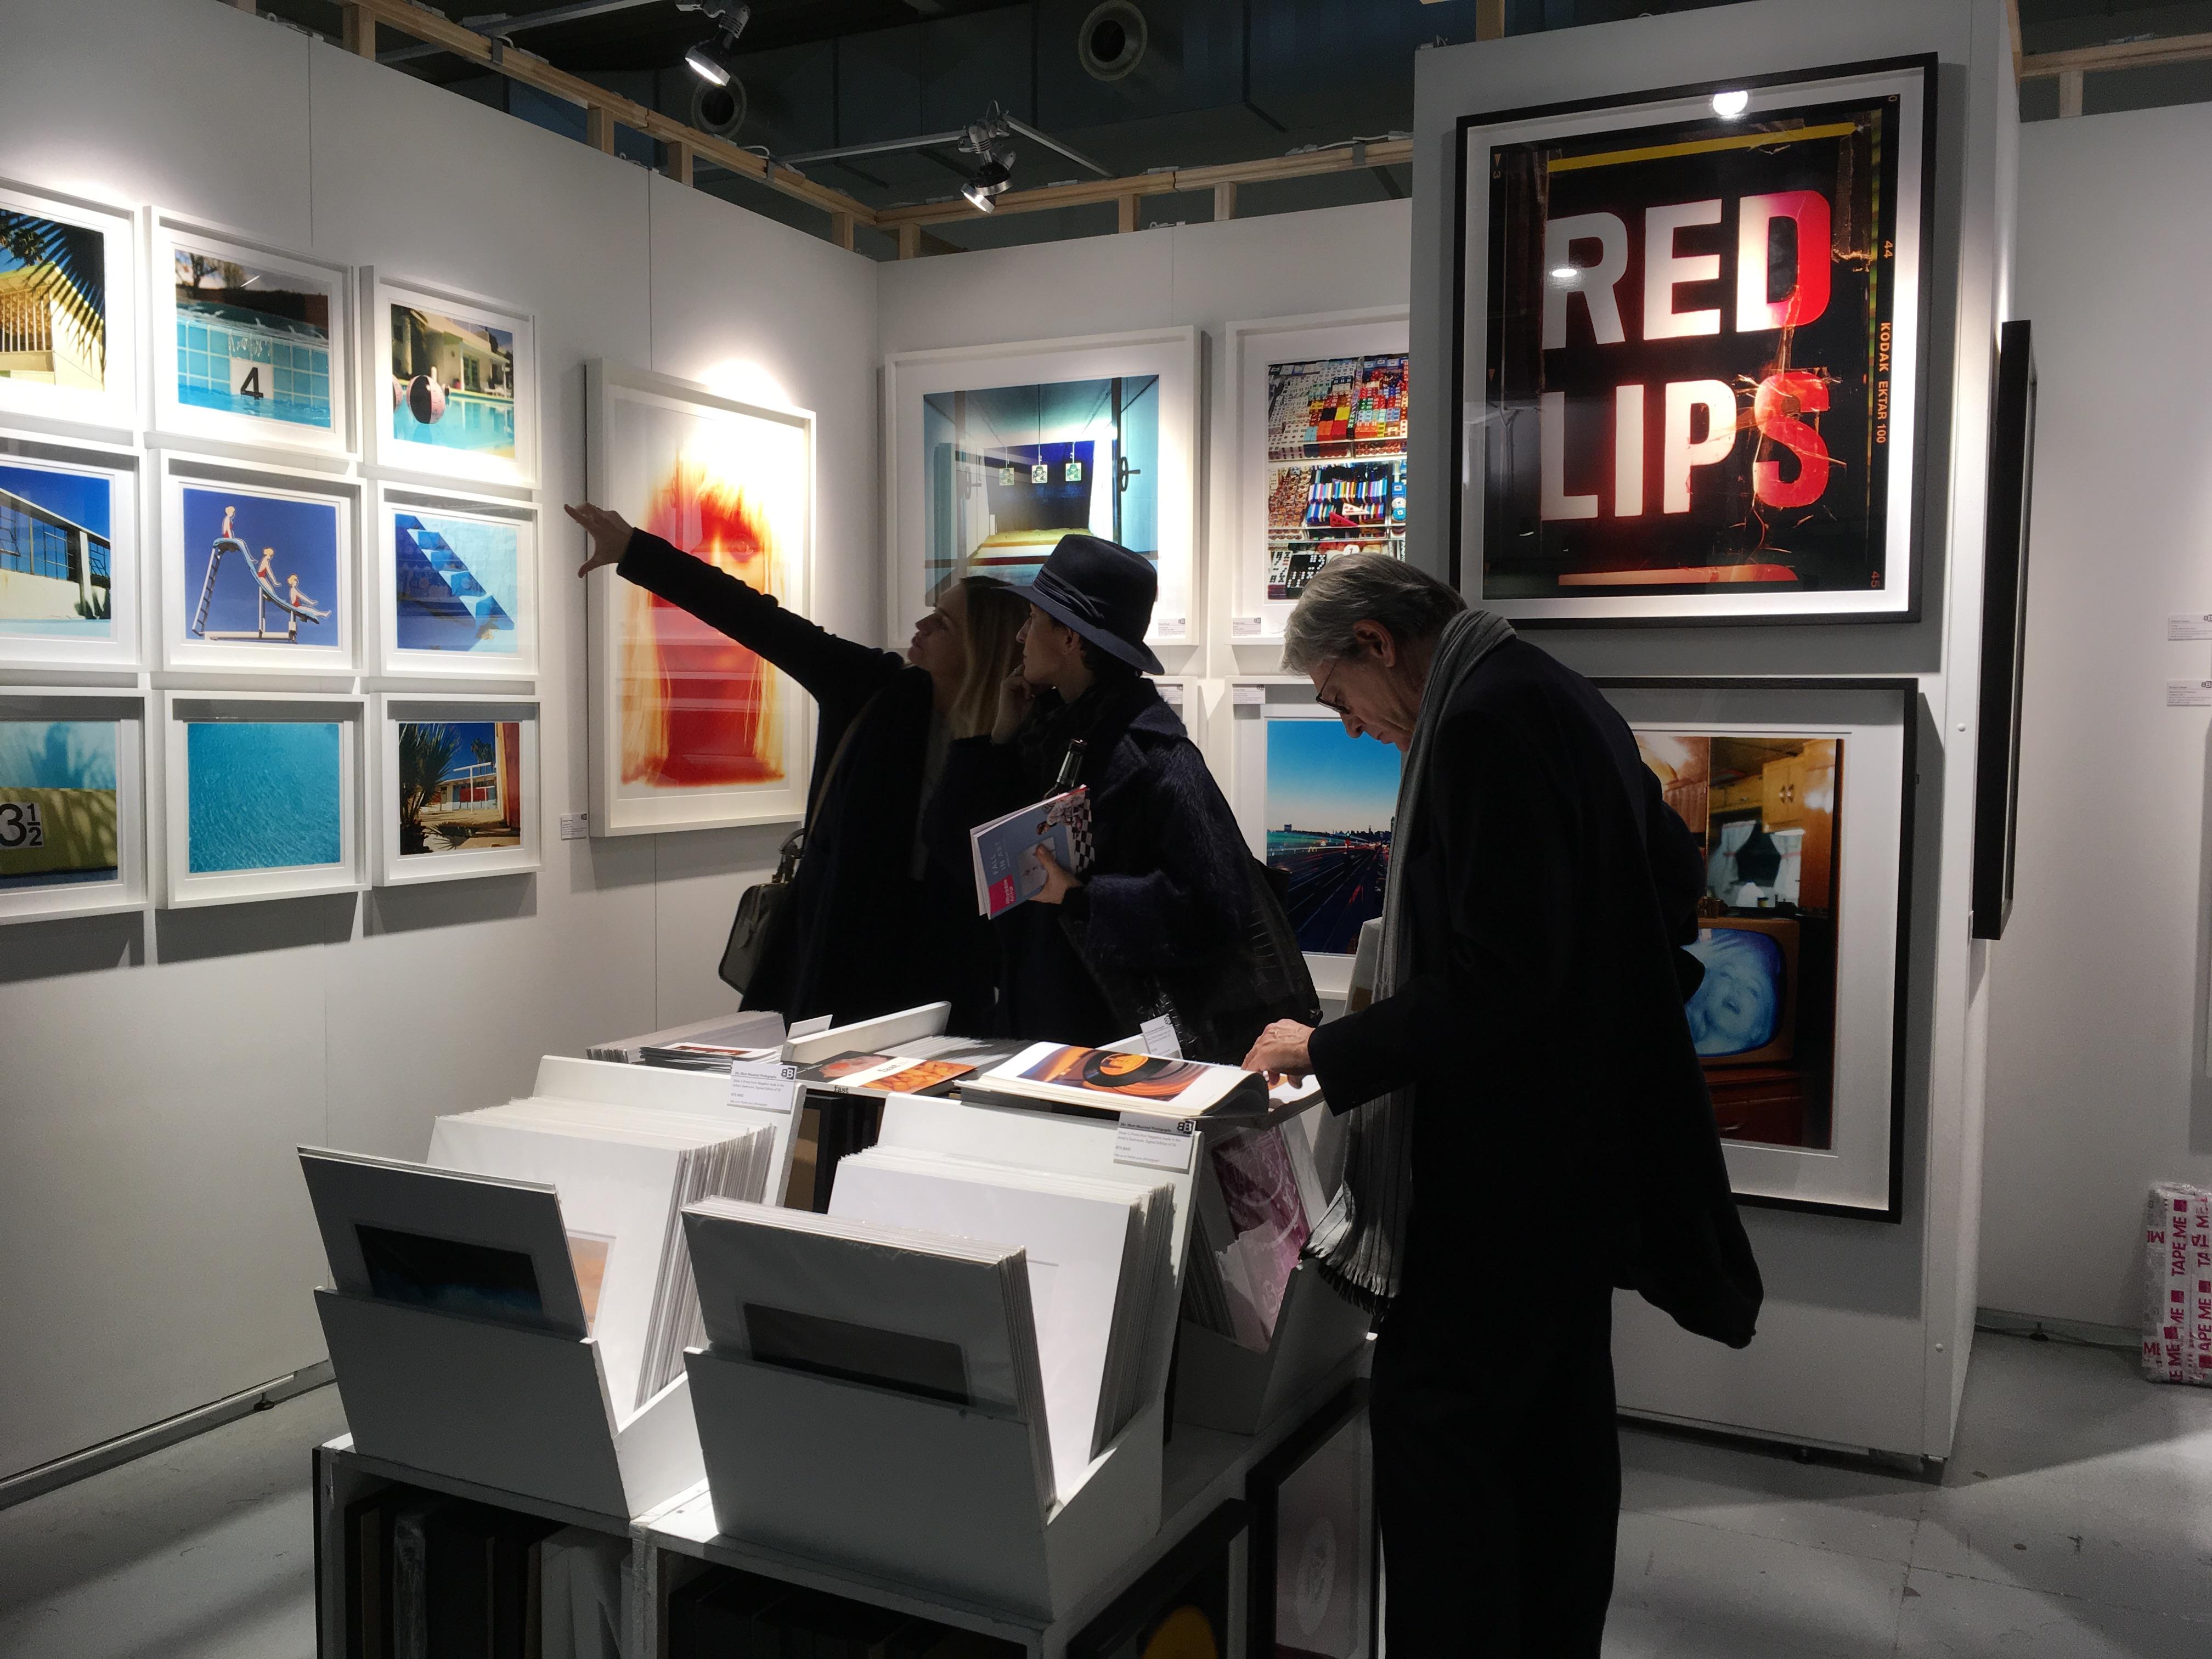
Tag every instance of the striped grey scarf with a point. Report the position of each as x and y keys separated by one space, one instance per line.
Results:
x=1361 y=1243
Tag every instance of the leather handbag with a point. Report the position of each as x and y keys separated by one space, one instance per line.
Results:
x=762 y=904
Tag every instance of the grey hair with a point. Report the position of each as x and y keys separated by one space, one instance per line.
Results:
x=1356 y=587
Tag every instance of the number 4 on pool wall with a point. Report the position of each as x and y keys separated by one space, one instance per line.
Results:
x=20 y=826
x=249 y=380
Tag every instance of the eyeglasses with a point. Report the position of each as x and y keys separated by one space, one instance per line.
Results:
x=1321 y=692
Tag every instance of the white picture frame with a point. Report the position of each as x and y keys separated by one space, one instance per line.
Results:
x=47 y=898
x=394 y=502
x=277 y=503
x=68 y=552
x=1755 y=590
x=243 y=366
x=1859 y=1172
x=1255 y=702
x=394 y=865
x=47 y=335
x=1255 y=349
x=1172 y=356
x=631 y=415
x=185 y=888
x=474 y=367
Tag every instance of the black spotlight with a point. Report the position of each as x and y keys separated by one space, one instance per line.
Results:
x=715 y=58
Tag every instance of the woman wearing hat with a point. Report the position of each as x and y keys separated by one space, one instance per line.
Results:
x=1170 y=888
x=874 y=922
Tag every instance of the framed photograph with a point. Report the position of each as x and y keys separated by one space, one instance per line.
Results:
x=451 y=382
x=2004 y=630
x=1688 y=353
x=256 y=345
x=689 y=729
x=459 y=793
x=1319 y=804
x=456 y=583
x=1799 y=794
x=69 y=310
x=1320 y=448
x=263 y=796
x=992 y=453
x=1315 y=1565
x=258 y=566
x=69 y=555
x=72 y=802
x=1187 y=1605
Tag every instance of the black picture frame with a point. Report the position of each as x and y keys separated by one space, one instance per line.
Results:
x=1198 y=1569
x=1927 y=64
x=2004 y=630
x=1906 y=692
x=1263 y=1488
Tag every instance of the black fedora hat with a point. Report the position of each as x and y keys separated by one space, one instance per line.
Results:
x=1104 y=592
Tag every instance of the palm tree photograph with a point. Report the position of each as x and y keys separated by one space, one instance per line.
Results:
x=459 y=786
x=53 y=302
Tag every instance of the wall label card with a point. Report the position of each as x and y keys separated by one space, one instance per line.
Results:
x=1149 y=1143
x=2179 y=627
x=2188 y=694
x=765 y=1085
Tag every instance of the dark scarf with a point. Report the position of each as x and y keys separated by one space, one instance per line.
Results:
x=1098 y=717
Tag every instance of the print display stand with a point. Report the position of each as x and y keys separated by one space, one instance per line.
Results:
x=918 y=1492
x=1220 y=1384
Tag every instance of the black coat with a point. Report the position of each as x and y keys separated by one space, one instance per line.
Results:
x=1561 y=1122
x=857 y=935
x=1166 y=889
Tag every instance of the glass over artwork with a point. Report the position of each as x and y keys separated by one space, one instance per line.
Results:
x=56 y=578
x=460 y=786
x=1008 y=470
x=58 y=804
x=1764 y=813
x=1336 y=464
x=259 y=567
x=451 y=382
x=456 y=582
x=251 y=341
x=53 y=302
x=1331 y=798
x=263 y=794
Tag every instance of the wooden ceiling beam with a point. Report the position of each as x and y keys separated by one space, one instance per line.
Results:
x=2125 y=54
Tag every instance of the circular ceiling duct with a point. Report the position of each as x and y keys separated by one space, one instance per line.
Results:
x=1111 y=42
x=718 y=110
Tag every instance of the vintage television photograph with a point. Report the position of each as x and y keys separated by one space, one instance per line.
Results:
x=1796 y=795
x=1690 y=347
x=263 y=796
x=258 y=567
x=689 y=729
x=459 y=786
x=454 y=384
x=456 y=582
x=992 y=453
x=72 y=803
x=253 y=345
x=69 y=556
x=69 y=309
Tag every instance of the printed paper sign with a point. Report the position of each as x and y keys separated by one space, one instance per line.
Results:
x=2188 y=694
x=765 y=1085
x=1152 y=1142
x=2179 y=627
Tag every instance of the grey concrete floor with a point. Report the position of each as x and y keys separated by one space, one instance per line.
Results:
x=2074 y=1522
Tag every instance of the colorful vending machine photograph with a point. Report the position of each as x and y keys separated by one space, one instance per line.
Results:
x=1336 y=464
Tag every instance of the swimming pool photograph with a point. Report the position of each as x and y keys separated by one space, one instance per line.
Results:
x=264 y=795
x=250 y=341
x=456 y=583
x=58 y=804
x=453 y=382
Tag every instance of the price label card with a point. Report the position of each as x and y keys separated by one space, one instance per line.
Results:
x=1160 y=1038
x=1169 y=628
x=1153 y=1143
x=765 y=1085
x=2188 y=694
x=1248 y=697
x=1244 y=628
x=2189 y=627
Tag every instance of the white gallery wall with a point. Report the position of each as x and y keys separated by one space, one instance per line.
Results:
x=2098 y=1032
x=156 y=1073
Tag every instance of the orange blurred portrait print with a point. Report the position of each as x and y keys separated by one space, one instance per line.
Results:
x=1144 y=1077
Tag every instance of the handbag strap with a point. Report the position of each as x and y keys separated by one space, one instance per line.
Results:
x=794 y=845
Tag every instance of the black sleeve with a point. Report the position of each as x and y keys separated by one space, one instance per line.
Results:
x=1507 y=860
x=1187 y=906
x=834 y=671
x=1678 y=873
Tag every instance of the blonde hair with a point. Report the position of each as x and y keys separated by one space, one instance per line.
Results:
x=996 y=613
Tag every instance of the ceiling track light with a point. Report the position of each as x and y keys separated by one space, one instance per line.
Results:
x=714 y=59
x=989 y=180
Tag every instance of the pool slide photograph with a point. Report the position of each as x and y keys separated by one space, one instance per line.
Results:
x=258 y=568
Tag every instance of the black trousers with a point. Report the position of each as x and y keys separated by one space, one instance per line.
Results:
x=1497 y=1476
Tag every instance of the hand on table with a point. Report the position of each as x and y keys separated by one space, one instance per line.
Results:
x=1281 y=1052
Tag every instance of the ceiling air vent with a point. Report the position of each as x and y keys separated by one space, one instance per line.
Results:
x=1112 y=40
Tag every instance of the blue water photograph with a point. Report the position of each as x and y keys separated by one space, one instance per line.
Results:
x=263 y=794
x=454 y=581
x=1330 y=800
x=252 y=341
x=56 y=802
x=260 y=568
x=55 y=580
x=453 y=382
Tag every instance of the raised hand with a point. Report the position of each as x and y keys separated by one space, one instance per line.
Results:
x=610 y=534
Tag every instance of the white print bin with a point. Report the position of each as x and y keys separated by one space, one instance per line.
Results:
x=2177 y=1330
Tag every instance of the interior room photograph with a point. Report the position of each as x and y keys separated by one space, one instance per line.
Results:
x=1105 y=829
